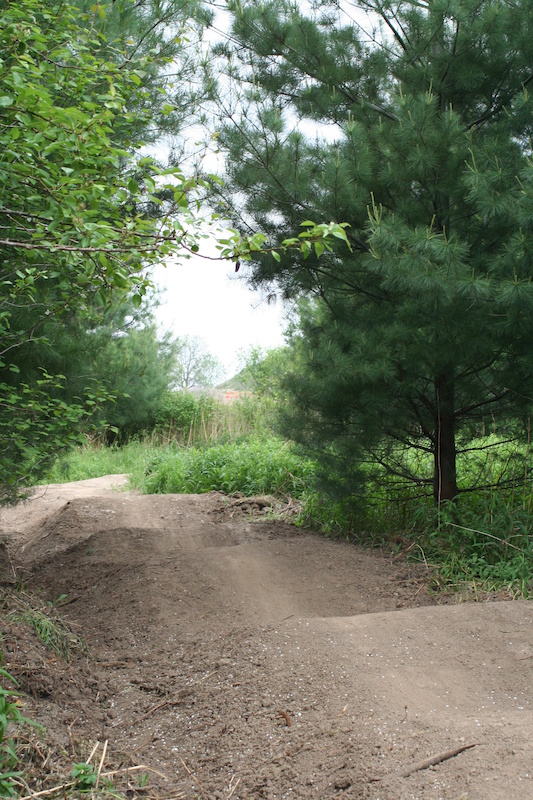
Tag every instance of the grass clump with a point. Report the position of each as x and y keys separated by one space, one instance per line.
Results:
x=46 y=621
x=484 y=545
x=254 y=466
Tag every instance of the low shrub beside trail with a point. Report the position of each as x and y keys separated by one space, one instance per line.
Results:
x=254 y=466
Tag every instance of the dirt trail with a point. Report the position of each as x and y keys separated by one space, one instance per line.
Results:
x=246 y=658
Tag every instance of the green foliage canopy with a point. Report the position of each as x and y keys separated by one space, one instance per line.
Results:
x=74 y=187
x=67 y=189
x=164 y=33
x=422 y=118
x=120 y=348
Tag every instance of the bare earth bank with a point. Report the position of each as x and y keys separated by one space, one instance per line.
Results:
x=245 y=658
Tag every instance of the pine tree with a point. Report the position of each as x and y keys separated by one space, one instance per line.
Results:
x=412 y=122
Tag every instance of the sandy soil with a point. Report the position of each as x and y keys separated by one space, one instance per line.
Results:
x=242 y=657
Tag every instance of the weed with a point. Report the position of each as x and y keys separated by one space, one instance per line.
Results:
x=9 y=714
x=84 y=776
x=143 y=779
x=47 y=623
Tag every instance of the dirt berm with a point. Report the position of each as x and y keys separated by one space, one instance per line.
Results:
x=242 y=657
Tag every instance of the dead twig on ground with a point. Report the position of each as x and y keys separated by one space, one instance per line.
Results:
x=93 y=751
x=232 y=788
x=195 y=779
x=101 y=765
x=285 y=717
x=428 y=762
x=63 y=786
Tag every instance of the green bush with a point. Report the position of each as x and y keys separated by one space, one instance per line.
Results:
x=255 y=466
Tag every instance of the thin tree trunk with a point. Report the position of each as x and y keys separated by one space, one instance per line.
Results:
x=445 y=474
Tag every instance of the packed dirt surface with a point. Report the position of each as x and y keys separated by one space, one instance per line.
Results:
x=238 y=656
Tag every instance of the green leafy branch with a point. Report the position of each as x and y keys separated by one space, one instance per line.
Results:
x=316 y=238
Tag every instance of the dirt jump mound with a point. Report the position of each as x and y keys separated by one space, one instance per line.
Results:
x=237 y=656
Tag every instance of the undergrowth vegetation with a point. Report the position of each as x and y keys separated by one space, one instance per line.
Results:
x=184 y=421
x=253 y=466
x=195 y=420
x=484 y=543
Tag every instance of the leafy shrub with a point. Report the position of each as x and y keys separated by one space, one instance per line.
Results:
x=255 y=466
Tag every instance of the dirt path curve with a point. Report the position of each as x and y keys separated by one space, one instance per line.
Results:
x=246 y=658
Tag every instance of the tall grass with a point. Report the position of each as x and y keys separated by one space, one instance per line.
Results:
x=193 y=421
x=96 y=459
x=254 y=466
x=485 y=543
x=184 y=421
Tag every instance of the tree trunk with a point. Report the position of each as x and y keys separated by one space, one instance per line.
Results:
x=445 y=474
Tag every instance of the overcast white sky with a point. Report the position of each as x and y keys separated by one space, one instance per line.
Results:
x=205 y=298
